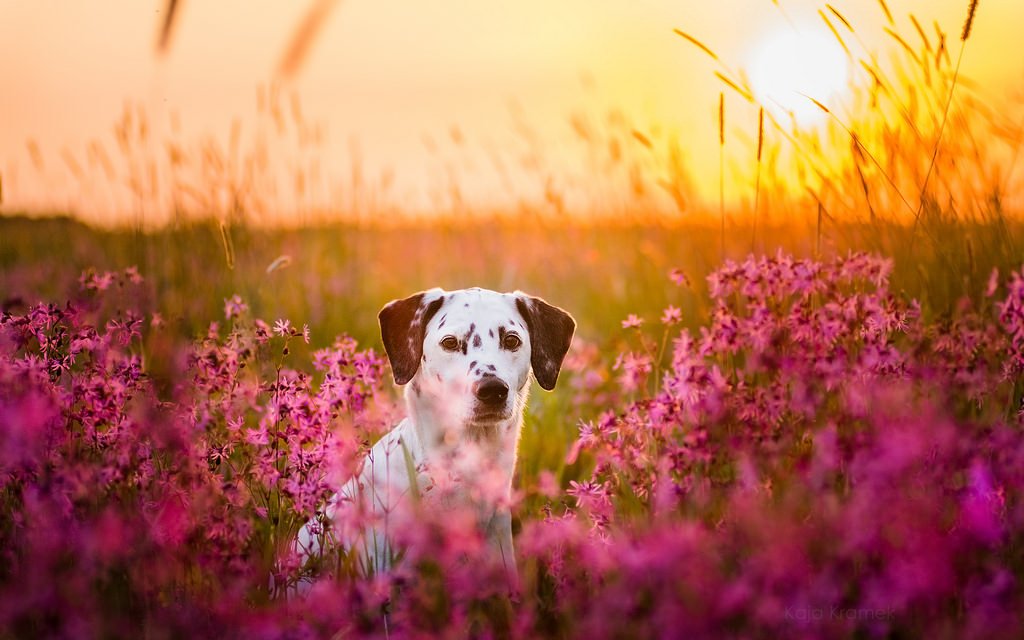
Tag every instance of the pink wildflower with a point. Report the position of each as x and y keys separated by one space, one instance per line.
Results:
x=632 y=321
x=132 y=275
x=234 y=307
x=679 y=278
x=283 y=327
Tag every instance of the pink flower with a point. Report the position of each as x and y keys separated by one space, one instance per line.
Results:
x=589 y=495
x=547 y=484
x=672 y=315
x=171 y=524
x=132 y=275
x=283 y=327
x=257 y=436
x=635 y=368
x=234 y=307
x=261 y=331
x=632 y=321
x=982 y=505
x=92 y=281
x=678 y=277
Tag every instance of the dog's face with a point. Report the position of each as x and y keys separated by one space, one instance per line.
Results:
x=468 y=354
x=476 y=353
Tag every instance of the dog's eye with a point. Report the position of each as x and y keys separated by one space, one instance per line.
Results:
x=450 y=343
x=511 y=342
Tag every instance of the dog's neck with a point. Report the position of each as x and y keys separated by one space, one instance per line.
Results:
x=440 y=441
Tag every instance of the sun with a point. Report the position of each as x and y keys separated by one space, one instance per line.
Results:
x=789 y=67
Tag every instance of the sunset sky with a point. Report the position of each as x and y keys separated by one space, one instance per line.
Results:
x=430 y=92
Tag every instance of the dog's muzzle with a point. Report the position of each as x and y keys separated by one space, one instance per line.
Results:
x=491 y=391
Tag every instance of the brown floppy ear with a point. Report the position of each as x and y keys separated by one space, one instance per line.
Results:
x=551 y=332
x=402 y=325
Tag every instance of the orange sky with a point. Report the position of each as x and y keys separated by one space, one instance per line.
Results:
x=392 y=79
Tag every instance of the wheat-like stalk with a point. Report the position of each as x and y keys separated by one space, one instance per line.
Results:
x=735 y=87
x=920 y=32
x=167 y=26
x=885 y=9
x=903 y=43
x=835 y=12
x=695 y=42
x=73 y=166
x=835 y=33
x=35 y=154
x=970 y=21
x=304 y=36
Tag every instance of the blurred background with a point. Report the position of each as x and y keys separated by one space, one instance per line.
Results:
x=117 y=109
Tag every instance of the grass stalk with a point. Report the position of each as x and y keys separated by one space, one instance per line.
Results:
x=971 y=11
x=721 y=167
x=757 y=180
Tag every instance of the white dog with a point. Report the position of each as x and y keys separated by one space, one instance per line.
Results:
x=465 y=358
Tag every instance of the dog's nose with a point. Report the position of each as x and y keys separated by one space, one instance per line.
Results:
x=491 y=391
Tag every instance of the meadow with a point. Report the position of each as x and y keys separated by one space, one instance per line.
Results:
x=796 y=415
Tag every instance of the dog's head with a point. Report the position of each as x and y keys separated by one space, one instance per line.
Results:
x=468 y=354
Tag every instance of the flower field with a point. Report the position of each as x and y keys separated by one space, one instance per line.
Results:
x=787 y=447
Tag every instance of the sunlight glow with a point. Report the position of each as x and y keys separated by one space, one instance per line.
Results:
x=791 y=66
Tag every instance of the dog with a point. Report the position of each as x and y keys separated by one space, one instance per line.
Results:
x=465 y=358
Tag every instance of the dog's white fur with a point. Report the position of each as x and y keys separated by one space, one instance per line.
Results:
x=455 y=352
